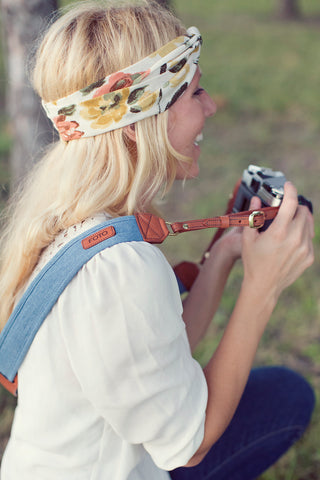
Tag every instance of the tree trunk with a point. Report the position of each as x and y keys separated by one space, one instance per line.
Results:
x=23 y=20
x=289 y=10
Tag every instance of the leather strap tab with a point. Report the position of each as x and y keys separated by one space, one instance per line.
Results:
x=153 y=229
x=12 y=387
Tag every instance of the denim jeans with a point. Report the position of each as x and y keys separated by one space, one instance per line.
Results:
x=273 y=413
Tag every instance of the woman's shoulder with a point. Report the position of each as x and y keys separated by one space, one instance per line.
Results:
x=128 y=266
x=146 y=250
x=127 y=263
x=67 y=235
x=131 y=263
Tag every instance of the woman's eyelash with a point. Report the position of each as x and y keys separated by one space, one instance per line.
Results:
x=198 y=91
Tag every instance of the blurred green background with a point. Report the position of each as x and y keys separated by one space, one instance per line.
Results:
x=263 y=73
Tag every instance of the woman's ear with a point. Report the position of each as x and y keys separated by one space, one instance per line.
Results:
x=130 y=131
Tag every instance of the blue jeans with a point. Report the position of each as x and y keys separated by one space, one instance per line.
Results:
x=273 y=413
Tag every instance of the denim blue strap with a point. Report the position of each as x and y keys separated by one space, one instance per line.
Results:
x=44 y=290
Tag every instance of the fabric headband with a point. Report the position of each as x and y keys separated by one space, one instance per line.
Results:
x=146 y=88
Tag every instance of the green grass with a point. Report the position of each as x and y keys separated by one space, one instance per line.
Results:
x=264 y=75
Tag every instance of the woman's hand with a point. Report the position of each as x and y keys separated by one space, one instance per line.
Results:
x=275 y=258
x=231 y=243
x=272 y=260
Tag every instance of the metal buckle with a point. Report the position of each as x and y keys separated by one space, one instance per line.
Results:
x=171 y=232
x=252 y=216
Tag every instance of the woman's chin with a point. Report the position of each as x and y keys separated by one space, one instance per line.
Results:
x=188 y=173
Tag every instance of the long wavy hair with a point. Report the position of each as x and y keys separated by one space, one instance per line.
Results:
x=109 y=172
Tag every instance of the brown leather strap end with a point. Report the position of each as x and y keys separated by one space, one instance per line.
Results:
x=12 y=387
x=250 y=218
x=153 y=229
x=253 y=218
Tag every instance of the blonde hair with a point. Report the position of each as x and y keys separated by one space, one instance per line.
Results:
x=109 y=172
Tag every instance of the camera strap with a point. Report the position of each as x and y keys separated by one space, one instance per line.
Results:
x=45 y=289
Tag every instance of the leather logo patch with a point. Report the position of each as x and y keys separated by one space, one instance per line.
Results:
x=98 y=237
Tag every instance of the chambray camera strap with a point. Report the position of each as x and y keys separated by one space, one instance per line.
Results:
x=43 y=292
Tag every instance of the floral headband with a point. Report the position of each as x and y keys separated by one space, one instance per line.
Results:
x=146 y=88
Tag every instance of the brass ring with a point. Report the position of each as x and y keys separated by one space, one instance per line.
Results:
x=252 y=216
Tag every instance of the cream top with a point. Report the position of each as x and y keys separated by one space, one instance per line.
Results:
x=109 y=389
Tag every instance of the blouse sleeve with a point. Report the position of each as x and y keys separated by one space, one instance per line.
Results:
x=121 y=319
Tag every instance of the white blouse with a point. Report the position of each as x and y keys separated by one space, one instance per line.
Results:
x=109 y=389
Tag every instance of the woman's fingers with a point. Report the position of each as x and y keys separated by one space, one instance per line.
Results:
x=304 y=213
x=288 y=207
x=282 y=252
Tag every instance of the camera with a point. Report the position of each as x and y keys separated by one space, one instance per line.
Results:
x=265 y=184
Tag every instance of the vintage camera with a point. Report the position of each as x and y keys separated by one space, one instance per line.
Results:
x=267 y=185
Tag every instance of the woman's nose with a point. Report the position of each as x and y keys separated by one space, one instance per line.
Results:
x=209 y=105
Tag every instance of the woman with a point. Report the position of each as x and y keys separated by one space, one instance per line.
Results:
x=108 y=388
